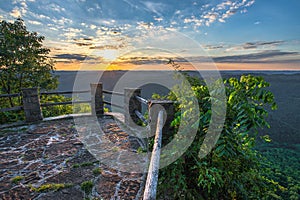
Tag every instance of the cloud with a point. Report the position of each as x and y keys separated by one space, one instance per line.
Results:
x=257 y=23
x=219 y=12
x=156 y=8
x=34 y=22
x=104 y=47
x=255 y=45
x=83 y=42
x=62 y=21
x=254 y=57
x=210 y=18
x=56 y=7
x=78 y=57
x=15 y=13
x=71 y=33
x=144 y=60
x=20 y=9
x=159 y=19
x=214 y=47
x=92 y=26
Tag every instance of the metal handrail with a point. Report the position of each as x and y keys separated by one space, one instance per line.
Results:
x=15 y=108
x=141 y=117
x=65 y=92
x=142 y=100
x=113 y=93
x=112 y=104
x=10 y=95
x=152 y=178
x=64 y=103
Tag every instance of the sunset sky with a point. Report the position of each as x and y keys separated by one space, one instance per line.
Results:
x=236 y=34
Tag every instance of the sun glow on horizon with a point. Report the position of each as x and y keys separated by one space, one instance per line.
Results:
x=108 y=54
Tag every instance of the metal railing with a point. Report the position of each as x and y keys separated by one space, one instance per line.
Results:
x=138 y=113
x=152 y=178
x=65 y=102
x=113 y=93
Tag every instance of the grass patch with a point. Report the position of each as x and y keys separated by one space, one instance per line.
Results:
x=17 y=179
x=84 y=164
x=97 y=171
x=87 y=186
x=51 y=187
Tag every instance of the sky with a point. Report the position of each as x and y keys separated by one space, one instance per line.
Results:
x=121 y=34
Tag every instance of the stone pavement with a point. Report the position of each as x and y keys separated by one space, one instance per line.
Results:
x=47 y=160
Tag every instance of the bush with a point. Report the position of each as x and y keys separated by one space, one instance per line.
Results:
x=233 y=169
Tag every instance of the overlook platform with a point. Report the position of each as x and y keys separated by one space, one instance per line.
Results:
x=47 y=160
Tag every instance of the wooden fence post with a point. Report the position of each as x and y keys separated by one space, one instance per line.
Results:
x=131 y=104
x=31 y=105
x=97 y=99
x=154 y=107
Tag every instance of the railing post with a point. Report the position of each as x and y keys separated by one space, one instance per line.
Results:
x=131 y=104
x=154 y=107
x=31 y=105
x=97 y=99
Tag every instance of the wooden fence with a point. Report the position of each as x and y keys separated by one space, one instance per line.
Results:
x=132 y=107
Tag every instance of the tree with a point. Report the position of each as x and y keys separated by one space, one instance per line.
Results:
x=24 y=62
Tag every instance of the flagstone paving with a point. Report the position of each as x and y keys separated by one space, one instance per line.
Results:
x=47 y=160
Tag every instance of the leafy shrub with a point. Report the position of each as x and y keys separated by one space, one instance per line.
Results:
x=233 y=169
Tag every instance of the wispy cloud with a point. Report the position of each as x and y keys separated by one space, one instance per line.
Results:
x=214 y=47
x=56 y=7
x=257 y=23
x=78 y=57
x=263 y=56
x=62 y=21
x=154 y=7
x=104 y=47
x=84 y=41
x=71 y=33
x=255 y=45
x=34 y=22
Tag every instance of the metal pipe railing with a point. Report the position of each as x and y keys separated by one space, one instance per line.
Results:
x=141 y=116
x=142 y=100
x=152 y=178
x=113 y=93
